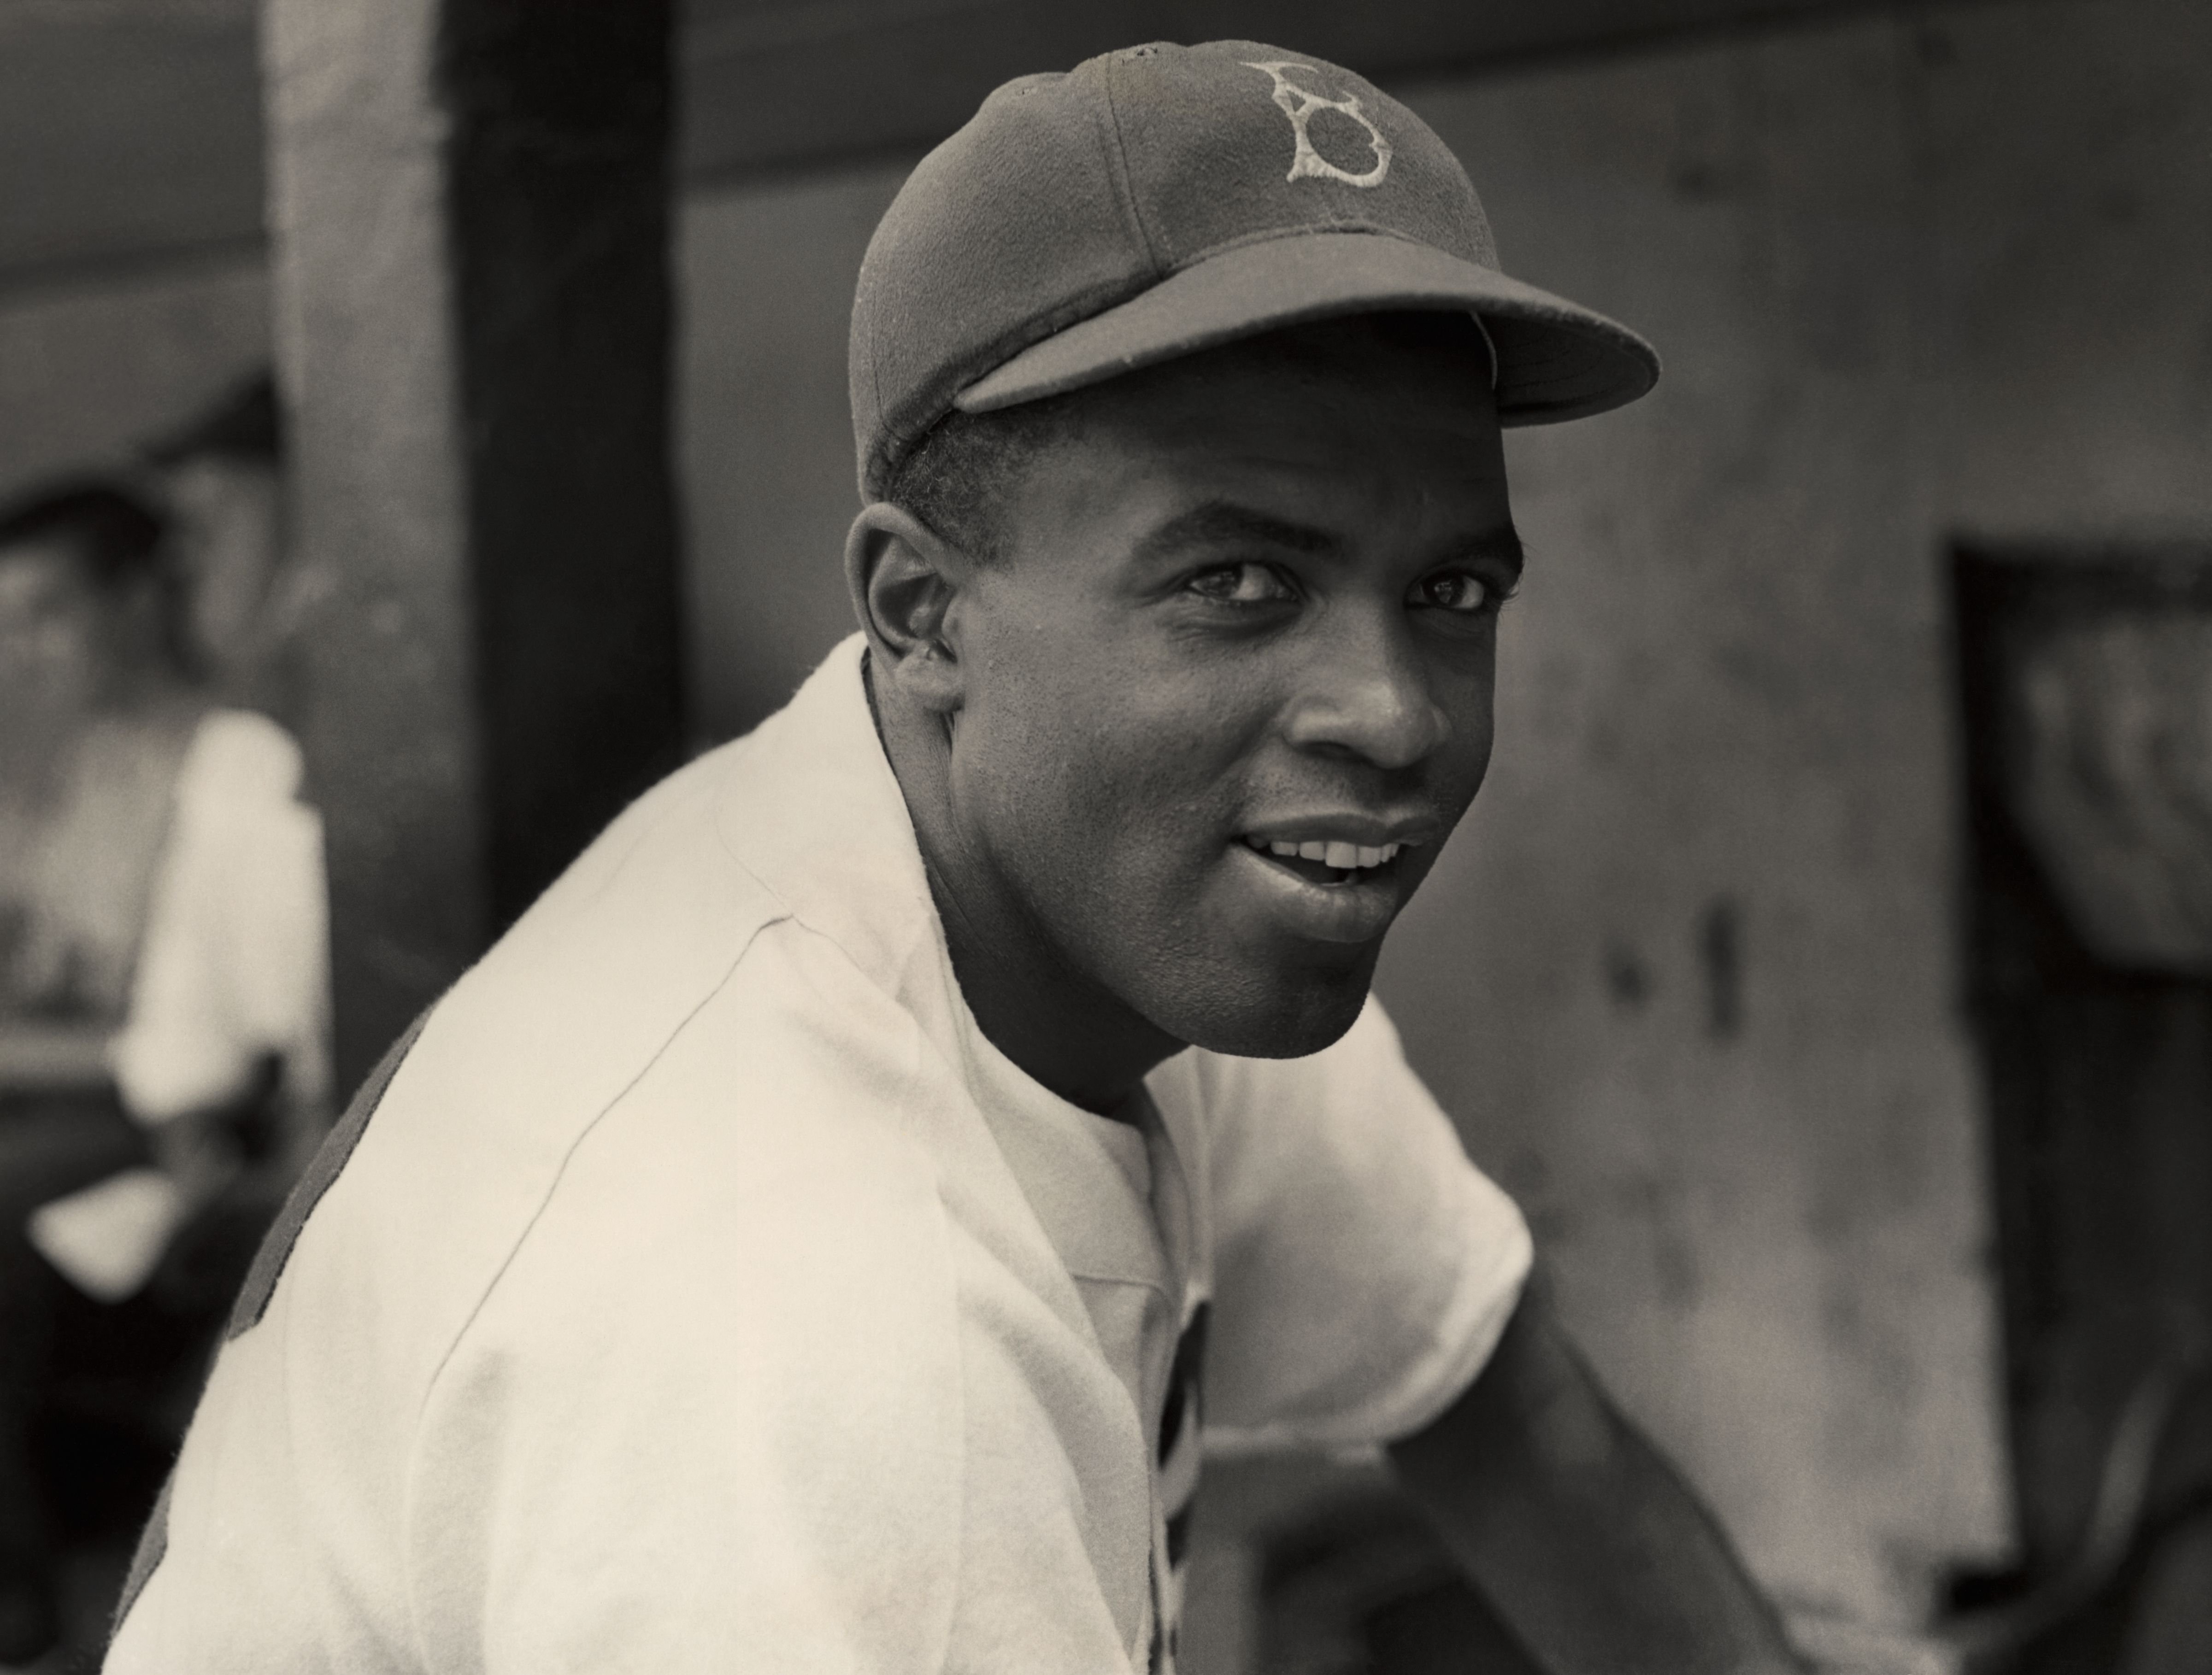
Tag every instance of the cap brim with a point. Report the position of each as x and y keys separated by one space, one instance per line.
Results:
x=1556 y=360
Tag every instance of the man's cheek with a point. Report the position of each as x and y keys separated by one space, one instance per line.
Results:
x=1116 y=761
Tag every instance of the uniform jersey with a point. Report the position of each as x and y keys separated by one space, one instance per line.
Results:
x=699 y=1289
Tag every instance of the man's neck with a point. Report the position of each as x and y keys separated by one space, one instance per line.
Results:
x=1056 y=1025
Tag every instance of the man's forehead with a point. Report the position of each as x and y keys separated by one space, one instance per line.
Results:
x=1307 y=406
x=1157 y=511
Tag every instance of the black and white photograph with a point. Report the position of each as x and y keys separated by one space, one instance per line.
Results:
x=1179 y=837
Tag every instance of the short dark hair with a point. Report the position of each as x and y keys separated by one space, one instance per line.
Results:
x=954 y=480
x=114 y=536
x=244 y=424
x=115 y=540
x=956 y=477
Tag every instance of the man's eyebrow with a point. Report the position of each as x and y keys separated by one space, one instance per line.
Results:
x=1225 y=523
x=1503 y=542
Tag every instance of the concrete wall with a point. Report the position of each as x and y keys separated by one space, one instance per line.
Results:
x=765 y=433
x=1688 y=977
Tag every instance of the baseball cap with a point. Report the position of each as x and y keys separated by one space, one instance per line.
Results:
x=1163 y=199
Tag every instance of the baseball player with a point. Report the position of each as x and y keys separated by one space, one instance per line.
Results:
x=822 y=1234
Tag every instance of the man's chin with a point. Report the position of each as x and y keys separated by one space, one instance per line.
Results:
x=1286 y=1020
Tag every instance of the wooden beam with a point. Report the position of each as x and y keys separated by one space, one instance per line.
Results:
x=470 y=200
x=127 y=131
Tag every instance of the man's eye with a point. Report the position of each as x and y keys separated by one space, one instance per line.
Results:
x=1241 y=584
x=1454 y=591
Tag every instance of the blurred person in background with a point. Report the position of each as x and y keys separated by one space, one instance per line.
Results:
x=162 y=973
x=219 y=478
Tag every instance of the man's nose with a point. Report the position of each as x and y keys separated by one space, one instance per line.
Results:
x=1366 y=693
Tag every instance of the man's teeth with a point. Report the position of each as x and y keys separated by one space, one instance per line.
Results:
x=1342 y=856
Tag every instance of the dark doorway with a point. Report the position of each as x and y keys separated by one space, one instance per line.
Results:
x=2085 y=684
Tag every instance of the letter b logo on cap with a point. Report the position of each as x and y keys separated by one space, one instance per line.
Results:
x=1299 y=103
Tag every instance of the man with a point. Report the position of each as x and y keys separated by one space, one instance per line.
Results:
x=806 y=1242
x=221 y=474
x=161 y=982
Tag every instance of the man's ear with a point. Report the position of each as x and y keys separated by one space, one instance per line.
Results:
x=904 y=582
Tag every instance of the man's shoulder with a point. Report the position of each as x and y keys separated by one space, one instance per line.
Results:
x=641 y=1168
x=575 y=1001
x=658 y=982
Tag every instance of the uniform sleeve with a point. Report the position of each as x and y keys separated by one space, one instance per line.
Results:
x=1364 y=1268
x=235 y=963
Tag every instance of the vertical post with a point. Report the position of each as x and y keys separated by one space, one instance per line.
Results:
x=469 y=210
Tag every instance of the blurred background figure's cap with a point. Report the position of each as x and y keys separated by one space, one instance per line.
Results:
x=1163 y=199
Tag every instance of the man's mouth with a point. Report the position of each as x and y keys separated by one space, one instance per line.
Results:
x=1328 y=862
x=1332 y=876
